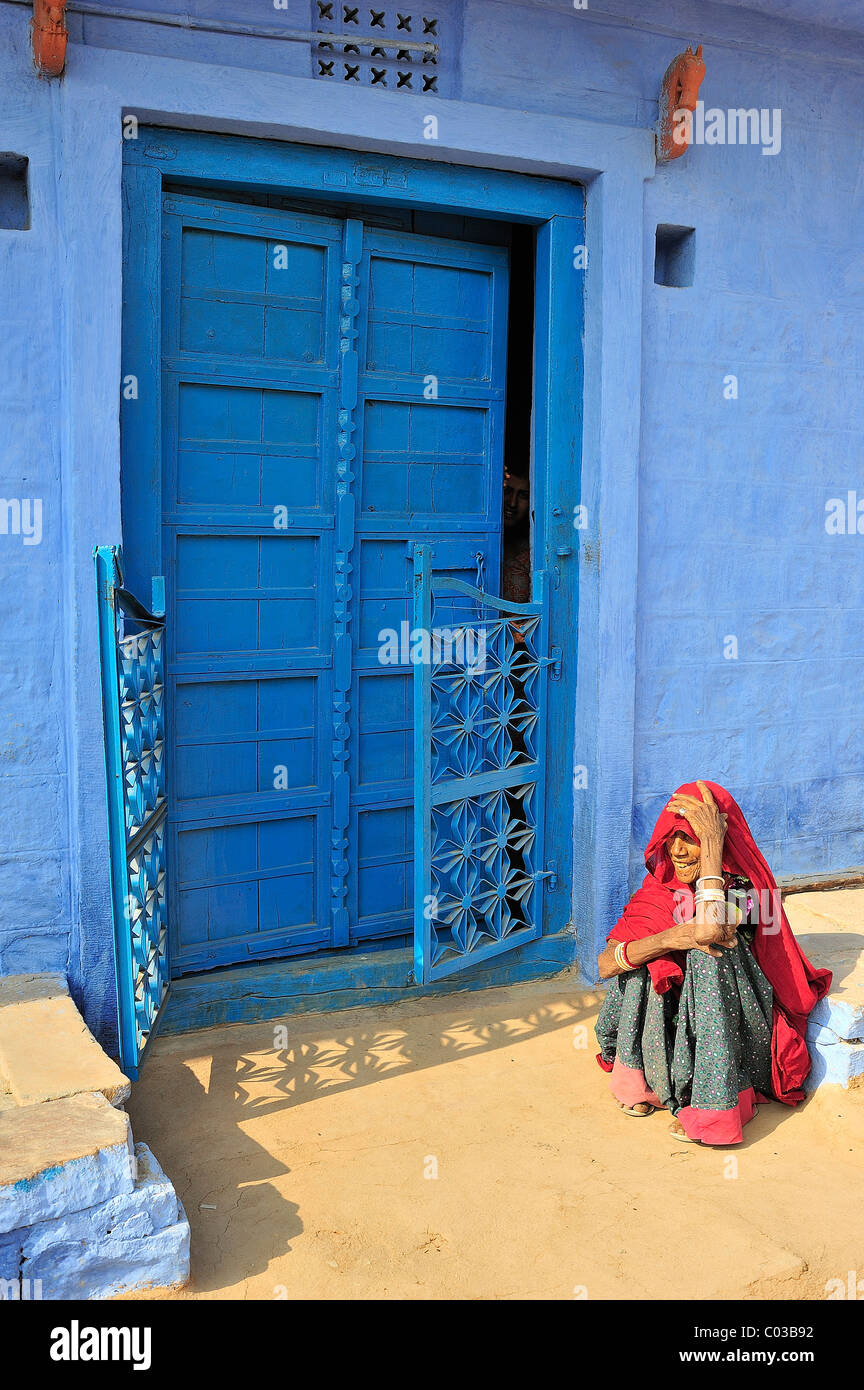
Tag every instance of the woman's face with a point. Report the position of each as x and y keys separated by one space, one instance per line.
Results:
x=684 y=853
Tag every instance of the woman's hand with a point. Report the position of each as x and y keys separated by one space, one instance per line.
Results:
x=711 y=937
x=707 y=936
x=708 y=824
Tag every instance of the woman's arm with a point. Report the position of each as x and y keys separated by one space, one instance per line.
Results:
x=640 y=952
x=686 y=936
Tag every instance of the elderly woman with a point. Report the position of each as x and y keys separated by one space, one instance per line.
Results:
x=705 y=1016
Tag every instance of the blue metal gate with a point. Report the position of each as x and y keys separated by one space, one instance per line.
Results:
x=131 y=643
x=480 y=672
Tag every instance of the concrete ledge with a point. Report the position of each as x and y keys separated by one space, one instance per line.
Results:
x=820 y=883
x=60 y=1156
x=46 y=1049
x=24 y=989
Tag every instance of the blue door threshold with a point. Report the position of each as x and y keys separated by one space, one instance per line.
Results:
x=344 y=980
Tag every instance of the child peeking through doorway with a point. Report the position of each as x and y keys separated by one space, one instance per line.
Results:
x=516 y=587
x=516 y=552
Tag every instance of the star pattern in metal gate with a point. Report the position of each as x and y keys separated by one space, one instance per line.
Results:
x=132 y=644
x=142 y=719
x=486 y=680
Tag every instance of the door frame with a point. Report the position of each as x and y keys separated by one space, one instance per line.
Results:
x=555 y=208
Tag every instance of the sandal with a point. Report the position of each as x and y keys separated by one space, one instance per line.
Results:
x=633 y=1110
x=681 y=1135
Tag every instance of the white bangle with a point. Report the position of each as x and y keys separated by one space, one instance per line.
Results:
x=718 y=877
x=710 y=895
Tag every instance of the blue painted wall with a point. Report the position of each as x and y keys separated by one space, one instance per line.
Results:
x=36 y=904
x=731 y=493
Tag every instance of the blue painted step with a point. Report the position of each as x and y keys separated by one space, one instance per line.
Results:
x=342 y=981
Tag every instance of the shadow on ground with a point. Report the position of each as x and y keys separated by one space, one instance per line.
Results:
x=200 y=1091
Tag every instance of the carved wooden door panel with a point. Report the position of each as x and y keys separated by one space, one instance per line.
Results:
x=332 y=394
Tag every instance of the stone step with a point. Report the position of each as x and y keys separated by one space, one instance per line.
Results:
x=82 y=1215
x=844 y=1016
x=46 y=1049
x=834 y=1061
x=151 y=1204
x=60 y=1156
x=114 y=1265
x=134 y=1241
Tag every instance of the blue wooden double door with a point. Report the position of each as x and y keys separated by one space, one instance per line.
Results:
x=333 y=393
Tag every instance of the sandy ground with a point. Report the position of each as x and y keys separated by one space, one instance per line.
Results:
x=468 y=1148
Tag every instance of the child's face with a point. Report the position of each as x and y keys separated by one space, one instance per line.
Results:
x=517 y=498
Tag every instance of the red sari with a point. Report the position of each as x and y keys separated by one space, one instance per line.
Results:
x=797 y=985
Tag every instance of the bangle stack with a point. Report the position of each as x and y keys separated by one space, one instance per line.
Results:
x=710 y=891
x=716 y=895
x=710 y=895
x=620 y=955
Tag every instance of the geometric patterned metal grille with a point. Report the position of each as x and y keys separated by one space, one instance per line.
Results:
x=149 y=929
x=142 y=714
x=484 y=713
x=132 y=643
x=484 y=709
x=142 y=742
x=482 y=870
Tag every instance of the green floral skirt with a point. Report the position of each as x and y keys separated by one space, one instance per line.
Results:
x=703 y=1051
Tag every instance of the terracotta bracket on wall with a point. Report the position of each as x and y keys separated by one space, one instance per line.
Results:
x=679 y=93
x=49 y=37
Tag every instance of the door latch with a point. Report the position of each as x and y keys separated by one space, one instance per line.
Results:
x=555 y=664
x=550 y=873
